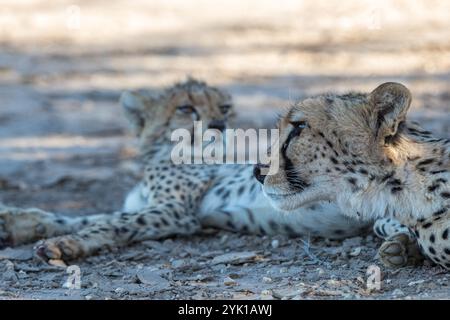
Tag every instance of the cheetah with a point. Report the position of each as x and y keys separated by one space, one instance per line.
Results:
x=176 y=200
x=374 y=164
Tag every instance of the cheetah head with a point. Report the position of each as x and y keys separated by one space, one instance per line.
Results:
x=328 y=142
x=156 y=116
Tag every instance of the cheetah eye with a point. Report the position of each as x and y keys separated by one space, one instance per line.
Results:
x=186 y=109
x=299 y=126
x=225 y=108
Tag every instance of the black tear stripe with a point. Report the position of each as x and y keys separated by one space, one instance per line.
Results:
x=291 y=176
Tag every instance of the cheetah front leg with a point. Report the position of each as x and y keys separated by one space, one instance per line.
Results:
x=400 y=247
x=121 y=229
x=20 y=226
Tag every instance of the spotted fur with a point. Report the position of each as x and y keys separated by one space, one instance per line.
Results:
x=181 y=199
x=360 y=151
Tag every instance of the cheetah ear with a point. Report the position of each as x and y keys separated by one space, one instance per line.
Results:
x=133 y=105
x=389 y=104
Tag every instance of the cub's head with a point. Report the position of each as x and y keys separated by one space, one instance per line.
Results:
x=155 y=117
x=335 y=144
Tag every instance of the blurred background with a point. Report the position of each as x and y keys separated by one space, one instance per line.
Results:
x=64 y=144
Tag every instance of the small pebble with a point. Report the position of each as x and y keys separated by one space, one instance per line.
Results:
x=355 y=252
x=223 y=239
x=119 y=290
x=267 y=280
x=266 y=293
x=229 y=282
x=179 y=263
x=398 y=292
x=275 y=244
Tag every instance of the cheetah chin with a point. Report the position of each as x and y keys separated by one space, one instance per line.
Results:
x=292 y=201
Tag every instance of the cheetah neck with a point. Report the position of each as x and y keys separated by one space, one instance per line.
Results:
x=416 y=189
x=164 y=150
x=156 y=150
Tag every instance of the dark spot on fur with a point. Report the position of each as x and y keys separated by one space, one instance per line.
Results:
x=438 y=171
x=250 y=216
x=230 y=225
x=387 y=176
x=226 y=195
x=432 y=238
x=352 y=181
x=438 y=213
x=60 y=221
x=395 y=182
x=425 y=162
x=433 y=187
x=363 y=171
x=329 y=144
x=262 y=231
x=141 y=221
x=273 y=225
x=445 y=195
x=289 y=230
x=396 y=190
x=427 y=225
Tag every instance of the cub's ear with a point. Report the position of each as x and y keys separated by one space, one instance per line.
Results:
x=133 y=105
x=389 y=105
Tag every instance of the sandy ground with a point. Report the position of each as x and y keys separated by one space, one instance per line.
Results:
x=64 y=146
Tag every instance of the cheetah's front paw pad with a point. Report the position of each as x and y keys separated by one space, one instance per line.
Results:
x=393 y=254
x=399 y=251
x=64 y=248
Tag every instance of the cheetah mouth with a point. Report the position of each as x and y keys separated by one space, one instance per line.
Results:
x=285 y=201
x=290 y=200
x=281 y=196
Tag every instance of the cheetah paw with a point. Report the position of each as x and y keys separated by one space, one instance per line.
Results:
x=6 y=234
x=6 y=239
x=20 y=226
x=399 y=250
x=60 y=248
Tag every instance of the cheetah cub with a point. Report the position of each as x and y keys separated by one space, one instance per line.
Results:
x=181 y=199
x=359 y=151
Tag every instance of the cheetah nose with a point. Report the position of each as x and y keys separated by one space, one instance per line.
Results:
x=217 y=124
x=257 y=172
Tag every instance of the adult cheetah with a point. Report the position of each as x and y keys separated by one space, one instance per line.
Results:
x=359 y=151
x=176 y=199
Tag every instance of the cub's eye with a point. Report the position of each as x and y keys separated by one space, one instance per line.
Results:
x=225 y=108
x=186 y=109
